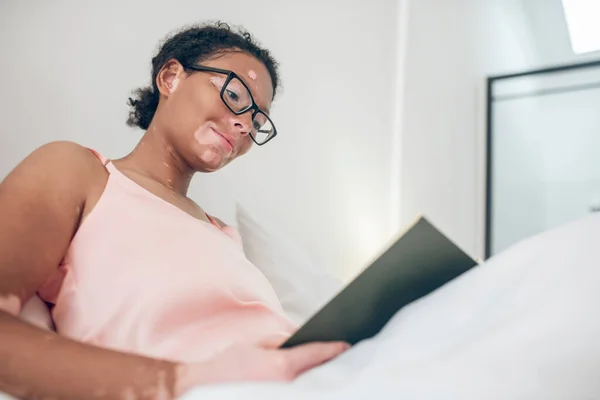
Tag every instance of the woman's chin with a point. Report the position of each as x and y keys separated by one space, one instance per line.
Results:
x=211 y=159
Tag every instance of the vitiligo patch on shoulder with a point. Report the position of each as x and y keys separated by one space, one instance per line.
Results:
x=10 y=303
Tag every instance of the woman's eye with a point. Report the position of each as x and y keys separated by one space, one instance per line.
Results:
x=232 y=95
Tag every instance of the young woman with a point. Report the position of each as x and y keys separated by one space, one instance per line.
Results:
x=150 y=295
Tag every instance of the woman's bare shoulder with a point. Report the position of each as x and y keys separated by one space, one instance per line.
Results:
x=61 y=160
x=65 y=152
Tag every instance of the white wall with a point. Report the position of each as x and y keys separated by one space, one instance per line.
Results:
x=453 y=45
x=69 y=66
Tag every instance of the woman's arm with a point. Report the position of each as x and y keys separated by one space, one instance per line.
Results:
x=40 y=364
x=41 y=203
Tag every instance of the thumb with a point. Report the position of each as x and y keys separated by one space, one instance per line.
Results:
x=307 y=356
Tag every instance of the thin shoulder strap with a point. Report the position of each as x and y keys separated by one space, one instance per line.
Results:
x=99 y=156
x=213 y=221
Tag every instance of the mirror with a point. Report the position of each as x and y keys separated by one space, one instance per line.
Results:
x=543 y=151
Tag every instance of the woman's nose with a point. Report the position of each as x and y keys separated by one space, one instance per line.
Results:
x=241 y=124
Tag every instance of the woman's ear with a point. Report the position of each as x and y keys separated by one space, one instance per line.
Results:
x=168 y=77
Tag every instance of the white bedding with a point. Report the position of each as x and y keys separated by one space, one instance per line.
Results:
x=524 y=325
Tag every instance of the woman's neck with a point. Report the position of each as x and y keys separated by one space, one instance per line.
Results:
x=156 y=159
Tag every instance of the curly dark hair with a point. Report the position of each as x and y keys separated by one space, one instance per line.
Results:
x=192 y=45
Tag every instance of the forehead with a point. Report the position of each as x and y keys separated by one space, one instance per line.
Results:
x=253 y=72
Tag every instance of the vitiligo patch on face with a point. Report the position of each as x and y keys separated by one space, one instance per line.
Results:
x=252 y=74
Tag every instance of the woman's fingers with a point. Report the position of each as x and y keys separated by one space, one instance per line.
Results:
x=302 y=358
x=274 y=341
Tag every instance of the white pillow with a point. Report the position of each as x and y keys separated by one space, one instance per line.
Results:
x=302 y=287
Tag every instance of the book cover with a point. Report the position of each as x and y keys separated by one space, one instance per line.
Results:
x=417 y=262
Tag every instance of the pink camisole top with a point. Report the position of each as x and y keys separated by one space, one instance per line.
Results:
x=143 y=276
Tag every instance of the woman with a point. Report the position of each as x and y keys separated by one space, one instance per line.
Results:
x=151 y=296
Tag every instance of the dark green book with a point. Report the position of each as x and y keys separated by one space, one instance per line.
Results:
x=418 y=261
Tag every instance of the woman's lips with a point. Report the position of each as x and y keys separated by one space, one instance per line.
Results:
x=227 y=142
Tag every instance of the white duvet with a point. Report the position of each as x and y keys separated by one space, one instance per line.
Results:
x=523 y=325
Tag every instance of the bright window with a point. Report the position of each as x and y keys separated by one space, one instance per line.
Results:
x=583 y=22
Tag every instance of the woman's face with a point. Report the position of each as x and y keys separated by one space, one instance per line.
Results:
x=196 y=121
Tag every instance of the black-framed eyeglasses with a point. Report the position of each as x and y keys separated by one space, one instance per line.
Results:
x=237 y=97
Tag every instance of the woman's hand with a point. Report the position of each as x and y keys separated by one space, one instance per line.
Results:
x=253 y=363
